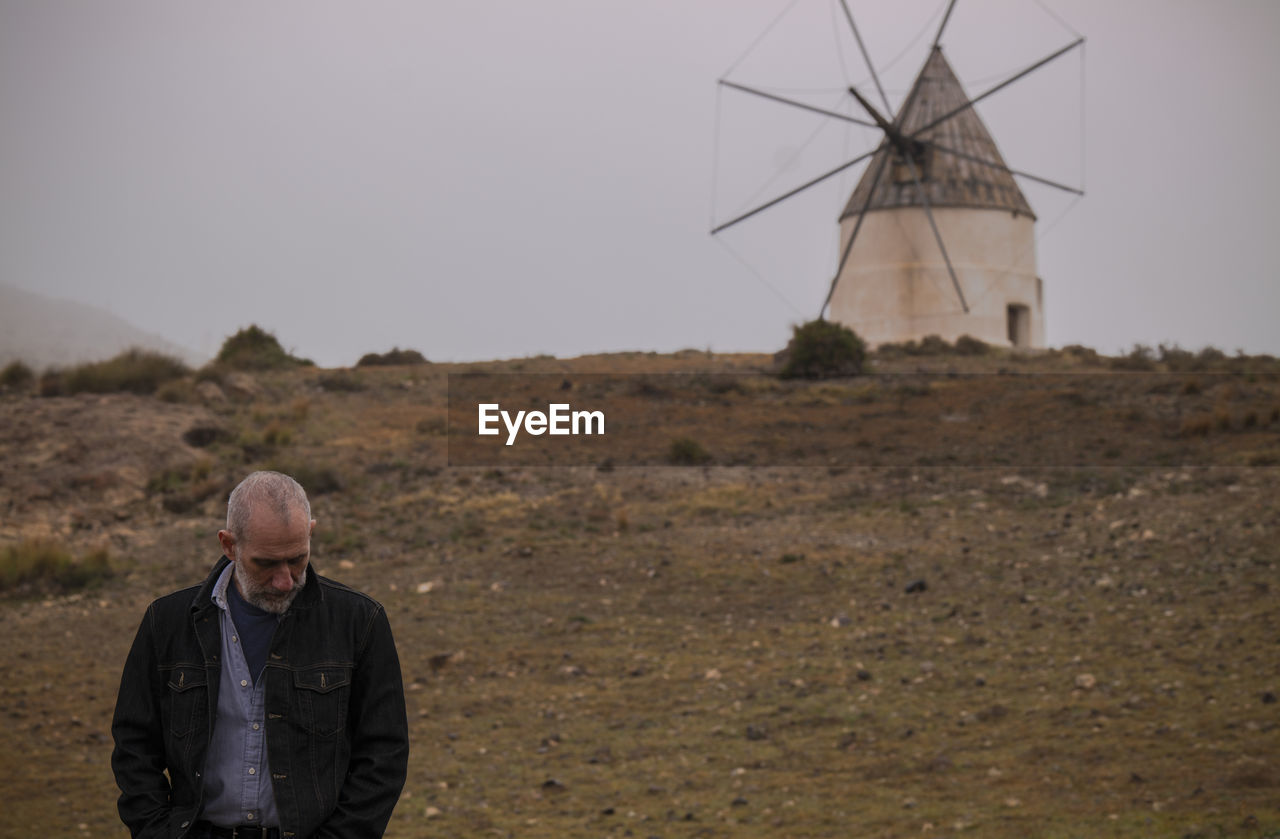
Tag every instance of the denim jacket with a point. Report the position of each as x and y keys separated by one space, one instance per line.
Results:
x=337 y=735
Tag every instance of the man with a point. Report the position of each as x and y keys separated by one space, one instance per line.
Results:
x=266 y=702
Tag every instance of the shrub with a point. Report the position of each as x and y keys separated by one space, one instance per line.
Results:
x=211 y=373
x=395 y=357
x=934 y=345
x=253 y=348
x=685 y=451
x=1211 y=355
x=277 y=434
x=1179 y=360
x=821 y=349
x=969 y=345
x=44 y=564
x=50 y=383
x=340 y=382
x=134 y=371
x=1083 y=354
x=16 y=376
x=892 y=349
x=1141 y=357
x=176 y=390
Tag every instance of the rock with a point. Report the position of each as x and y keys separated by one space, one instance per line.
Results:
x=1086 y=681
x=864 y=675
x=916 y=586
x=739 y=802
x=242 y=385
x=755 y=732
x=712 y=674
x=210 y=393
x=1268 y=698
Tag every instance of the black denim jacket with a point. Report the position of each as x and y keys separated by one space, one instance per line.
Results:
x=337 y=736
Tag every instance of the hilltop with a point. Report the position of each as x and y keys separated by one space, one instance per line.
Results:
x=45 y=332
x=963 y=638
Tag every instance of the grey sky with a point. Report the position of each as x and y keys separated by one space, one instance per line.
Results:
x=485 y=180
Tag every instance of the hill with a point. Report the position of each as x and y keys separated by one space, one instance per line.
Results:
x=963 y=639
x=48 y=332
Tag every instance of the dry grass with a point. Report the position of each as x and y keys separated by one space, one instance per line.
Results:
x=39 y=566
x=745 y=652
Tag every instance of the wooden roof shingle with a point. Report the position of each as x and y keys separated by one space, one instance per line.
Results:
x=949 y=180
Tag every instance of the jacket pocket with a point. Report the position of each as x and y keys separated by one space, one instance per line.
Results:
x=323 y=693
x=188 y=696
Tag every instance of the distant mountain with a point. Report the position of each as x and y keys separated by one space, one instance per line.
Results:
x=48 y=332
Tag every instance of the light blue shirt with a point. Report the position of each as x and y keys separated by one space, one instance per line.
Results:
x=237 y=779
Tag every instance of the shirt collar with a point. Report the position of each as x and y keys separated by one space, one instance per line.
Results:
x=219 y=595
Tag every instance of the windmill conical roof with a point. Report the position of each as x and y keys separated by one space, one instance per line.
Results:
x=951 y=181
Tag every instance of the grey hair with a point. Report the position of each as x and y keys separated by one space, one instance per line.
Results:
x=276 y=490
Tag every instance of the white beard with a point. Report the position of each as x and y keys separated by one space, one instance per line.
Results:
x=264 y=598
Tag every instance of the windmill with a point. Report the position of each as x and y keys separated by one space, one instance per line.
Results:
x=937 y=238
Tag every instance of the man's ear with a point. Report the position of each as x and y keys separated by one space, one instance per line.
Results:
x=228 y=543
x=313 y=528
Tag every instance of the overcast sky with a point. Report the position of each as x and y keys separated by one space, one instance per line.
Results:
x=499 y=179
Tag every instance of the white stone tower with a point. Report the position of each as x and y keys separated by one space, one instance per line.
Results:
x=896 y=283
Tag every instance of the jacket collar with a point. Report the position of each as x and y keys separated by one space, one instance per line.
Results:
x=310 y=596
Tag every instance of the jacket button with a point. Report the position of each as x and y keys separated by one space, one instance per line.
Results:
x=185 y=824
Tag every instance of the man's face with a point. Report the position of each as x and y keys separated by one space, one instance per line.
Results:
x=271 y=559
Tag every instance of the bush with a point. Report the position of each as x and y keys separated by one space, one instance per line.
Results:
x=16 y=376
x=1083 y=354
x=821 y=349
x=969 y=345
x=896 y=349
x=685 y=451
x=50 y=383
x=134 y=371
x=395 y=357
x=44 y=564
x=340 y=382
x=1140 y=358
x=253 y=348
x=177 y=390
x=930 y=345
x=934 y=345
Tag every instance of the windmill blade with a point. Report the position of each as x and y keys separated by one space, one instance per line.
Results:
x=998 y=87
x=793 y=103
x=994 y=165
x=928 y=212
x=937 y=39
x=882 y=122
x=857 y=225
x=866 y=56
x=795 y=191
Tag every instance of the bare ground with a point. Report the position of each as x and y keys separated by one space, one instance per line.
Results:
x=996 y=649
